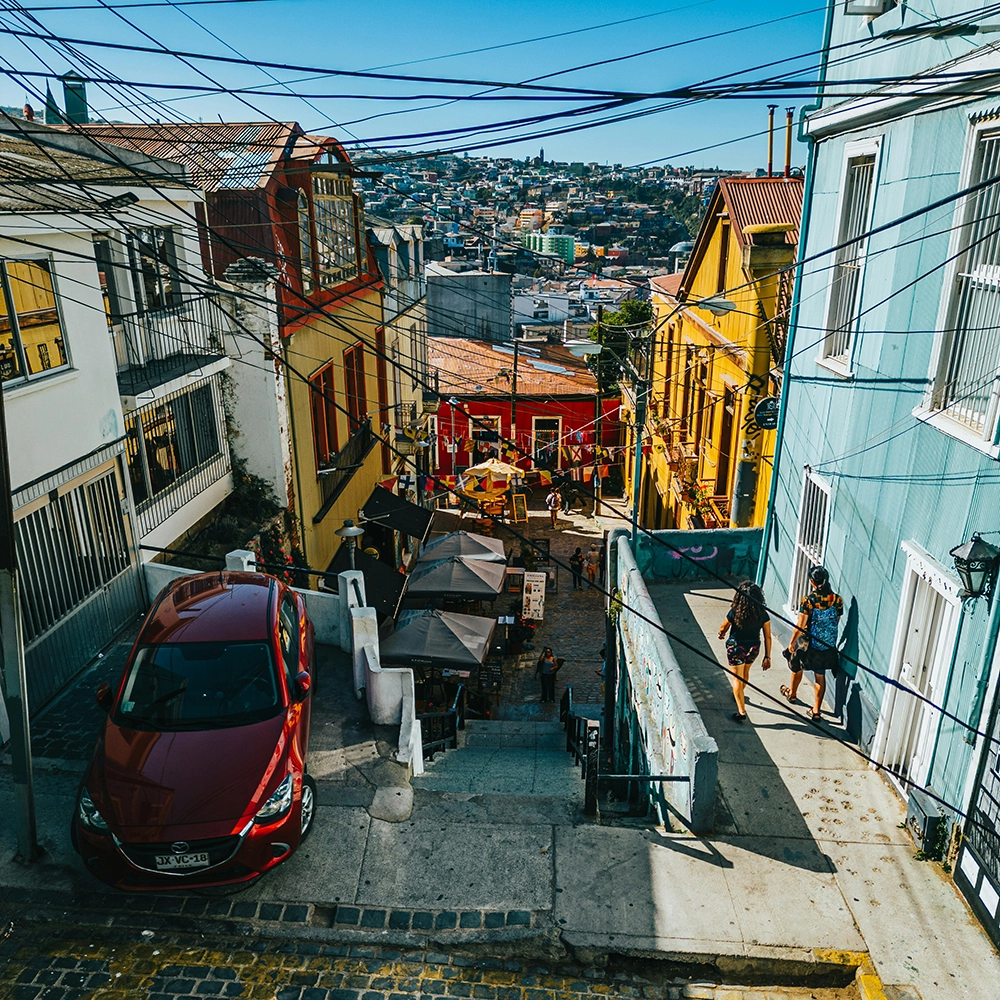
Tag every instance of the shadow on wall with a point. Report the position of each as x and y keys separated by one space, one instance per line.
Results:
x=696 y=555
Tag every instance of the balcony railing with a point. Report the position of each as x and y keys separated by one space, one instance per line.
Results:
x=153 y=348
x=334 y=480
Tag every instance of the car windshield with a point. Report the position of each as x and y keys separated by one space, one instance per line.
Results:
x=199 y=685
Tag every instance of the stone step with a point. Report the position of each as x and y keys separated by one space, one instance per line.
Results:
x=512 y=726
x=503 y=770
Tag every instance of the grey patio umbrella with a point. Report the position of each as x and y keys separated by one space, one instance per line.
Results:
x=457 y=577
x=464 y=543
x=439 y=639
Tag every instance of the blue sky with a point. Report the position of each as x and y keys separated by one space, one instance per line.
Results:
x=361 y=35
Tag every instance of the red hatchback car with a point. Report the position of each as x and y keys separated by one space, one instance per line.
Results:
x=199 y=775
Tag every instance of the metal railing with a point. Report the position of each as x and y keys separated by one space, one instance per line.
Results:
x=439 y=730
x=350 y=458
x=583 y=741
x=152 y=348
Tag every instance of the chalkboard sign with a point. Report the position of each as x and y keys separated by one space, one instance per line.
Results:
x=765 y=413
x=520 y=503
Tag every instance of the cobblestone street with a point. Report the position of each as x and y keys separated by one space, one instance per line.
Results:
x=53 y=963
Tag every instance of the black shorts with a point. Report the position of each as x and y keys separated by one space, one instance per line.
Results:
x=819 y=661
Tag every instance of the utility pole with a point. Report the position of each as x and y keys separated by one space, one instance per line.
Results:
x=599 y=417
x=513 y=405
x=641 y=397
x=14 y=680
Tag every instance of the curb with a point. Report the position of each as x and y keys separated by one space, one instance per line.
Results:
x=869 y=984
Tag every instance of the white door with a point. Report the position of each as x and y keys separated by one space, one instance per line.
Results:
x=925 y=638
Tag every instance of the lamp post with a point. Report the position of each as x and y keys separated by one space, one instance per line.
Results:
x=350 y=532
x=642 y=379
x=976 y=563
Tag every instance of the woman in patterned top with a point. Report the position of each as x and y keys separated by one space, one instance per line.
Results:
x=819 y=619
x=747 y=618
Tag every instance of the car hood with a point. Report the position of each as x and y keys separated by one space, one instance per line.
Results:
x=148 y=782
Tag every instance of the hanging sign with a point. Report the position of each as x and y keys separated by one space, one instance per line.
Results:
x=765 y=413
x=533 y=602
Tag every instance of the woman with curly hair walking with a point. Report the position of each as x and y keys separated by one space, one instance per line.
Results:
x=745 y=620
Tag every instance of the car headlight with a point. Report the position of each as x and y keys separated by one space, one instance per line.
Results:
x=88 y=815
x=278 y=804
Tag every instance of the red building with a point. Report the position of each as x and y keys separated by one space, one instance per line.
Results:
x=543 y=400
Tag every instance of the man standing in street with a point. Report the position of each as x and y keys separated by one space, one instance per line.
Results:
x=553 y=501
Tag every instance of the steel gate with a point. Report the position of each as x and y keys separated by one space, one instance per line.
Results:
x=80 y=582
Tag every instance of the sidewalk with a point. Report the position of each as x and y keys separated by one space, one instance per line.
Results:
x=809 y=835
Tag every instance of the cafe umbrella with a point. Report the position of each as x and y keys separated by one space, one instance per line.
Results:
x=464 y=543
x=439 y=639
x=458 y=577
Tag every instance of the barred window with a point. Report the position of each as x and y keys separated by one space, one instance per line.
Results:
x=967 y=378
x=845 y=293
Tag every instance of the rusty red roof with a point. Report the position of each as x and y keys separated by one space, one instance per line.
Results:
x=218 y=155
x=542 y=369
x=668 y=283
x=757 y=201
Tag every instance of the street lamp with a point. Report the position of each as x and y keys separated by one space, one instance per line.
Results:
x=351 y=533
x=976 y=563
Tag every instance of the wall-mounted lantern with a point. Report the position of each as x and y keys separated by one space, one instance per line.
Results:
x=976 y=564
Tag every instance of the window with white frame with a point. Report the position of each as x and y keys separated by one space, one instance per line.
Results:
x=966 y=384
x=810 y=540
x=545 y=436
x=848 y=266
x=31 y=333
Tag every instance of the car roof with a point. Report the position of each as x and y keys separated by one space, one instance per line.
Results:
x=212 y=607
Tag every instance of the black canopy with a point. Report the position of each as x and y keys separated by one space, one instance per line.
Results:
x=464 y=543
x=384 y=507
x=439 y=639
x=457 y=577
x=383 y=585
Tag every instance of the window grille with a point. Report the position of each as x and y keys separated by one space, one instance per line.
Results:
x=176 y=448
x=810 y=542
x=849 y=263
x=968 y=384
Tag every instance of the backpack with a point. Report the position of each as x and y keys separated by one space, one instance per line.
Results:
x=823 y=627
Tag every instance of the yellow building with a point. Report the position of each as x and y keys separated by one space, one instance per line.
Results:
x=706 y=461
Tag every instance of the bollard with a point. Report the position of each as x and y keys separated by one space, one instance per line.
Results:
x=593 y=749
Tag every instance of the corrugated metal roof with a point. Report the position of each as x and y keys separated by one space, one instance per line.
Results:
x=668 y=283
x=218 y=155
x=759 y=201
x=549 y=370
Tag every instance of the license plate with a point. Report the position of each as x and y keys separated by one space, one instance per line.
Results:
x=168 y=862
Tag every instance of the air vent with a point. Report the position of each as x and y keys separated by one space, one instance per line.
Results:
x=871 y=8
x=925 y=823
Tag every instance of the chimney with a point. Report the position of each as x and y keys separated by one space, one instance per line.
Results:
x=75 y=99
x=770 y=139
x=789 y=112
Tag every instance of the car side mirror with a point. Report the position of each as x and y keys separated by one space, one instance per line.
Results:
x=104 y=695
x=303 y=682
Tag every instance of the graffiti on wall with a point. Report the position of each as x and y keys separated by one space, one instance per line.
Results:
x=693 y=555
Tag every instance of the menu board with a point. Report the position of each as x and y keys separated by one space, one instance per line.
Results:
x=534 y=596
x=520 y=504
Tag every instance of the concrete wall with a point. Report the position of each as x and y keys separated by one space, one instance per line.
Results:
x=698 y=555
x=470 y=304
x=673 y=738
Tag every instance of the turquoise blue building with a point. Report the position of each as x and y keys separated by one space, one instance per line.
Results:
x=890 y=432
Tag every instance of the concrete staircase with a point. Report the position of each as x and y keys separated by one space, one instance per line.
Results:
x=515 y=766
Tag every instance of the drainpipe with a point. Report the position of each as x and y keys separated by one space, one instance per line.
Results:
x=765 y=544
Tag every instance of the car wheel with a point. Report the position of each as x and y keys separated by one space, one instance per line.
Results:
x=308 y=804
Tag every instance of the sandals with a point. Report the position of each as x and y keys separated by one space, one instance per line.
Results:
x=815 y=716
x=787 y=692
x=738 y=717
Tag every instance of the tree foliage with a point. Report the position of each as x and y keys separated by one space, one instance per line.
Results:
x=632 y=319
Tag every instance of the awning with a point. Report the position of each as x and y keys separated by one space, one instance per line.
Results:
x=383 y=585
x=385 y=508
x=439 y=639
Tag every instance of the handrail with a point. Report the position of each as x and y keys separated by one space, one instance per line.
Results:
x=446 y=735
